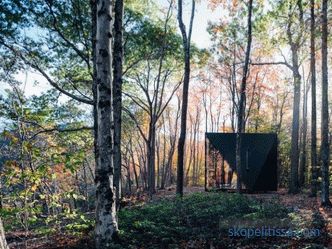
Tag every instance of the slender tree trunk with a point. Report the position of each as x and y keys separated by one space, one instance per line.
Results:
x=190 y=148
x=129 y=177
x=173 y=143
x=194 y=149
x=85 y=191
x=325 y=148
x=186 y=47
x=117 y=94
x=151 y=158
x=197 y=153
x=106 y=224
x=170 y=168
x=206 y=176
x=222 y=173
x=164 y=170
x=233 y=87
x=294 y=181
x=143 y=164
x=93 y=7
x=259 y=102
x=314 y=175
x=215 y=166
x=142 y=174
x=303 y=161
x=136 y=176
x=3 y=242
x=295 y=134
x=134 y=164
x=158 y=161
x=241 y=111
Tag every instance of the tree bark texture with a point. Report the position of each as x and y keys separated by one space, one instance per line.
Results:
x=314 y=175
x=3 y=242
x=294 y=44
x=186 y=38
x=241 y=111
x=325 y=147
x=303 y=160
x=117 y=94
x=106 y=225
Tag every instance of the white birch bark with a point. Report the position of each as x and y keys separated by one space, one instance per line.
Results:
x=3 y=243
x=106 y=225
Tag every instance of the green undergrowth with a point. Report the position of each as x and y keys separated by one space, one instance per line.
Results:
x=196 y=220
x=199 y=220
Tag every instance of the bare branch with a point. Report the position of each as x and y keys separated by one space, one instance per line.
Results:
x=138 y=102
x=136 y=122
x=58 y=129
x=47 y=77
x=272 y=63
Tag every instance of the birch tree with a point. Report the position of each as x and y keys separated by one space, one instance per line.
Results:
x=106 y=224
x=3 y=242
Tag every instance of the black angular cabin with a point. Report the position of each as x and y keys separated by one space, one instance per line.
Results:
x=259 y=155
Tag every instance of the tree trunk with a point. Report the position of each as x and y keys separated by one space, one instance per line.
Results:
x=222 y=173
x=151 y=158
x=314 y=175
x=194 y=149
x=117 y=95
x=241 y=111
x=163 y=169
x=106 y=224
x=186 y=47
x=198 y=154
x=134 y=164
x=325 y=148
x=233 y=90
x=3 y=242
x=206 y=180
x=129 y=178
x=158 y=161
x=303 y=161
x=93 y=7
x=294 y=181
x=295 y=135
x=191 y=153
x=143 y=163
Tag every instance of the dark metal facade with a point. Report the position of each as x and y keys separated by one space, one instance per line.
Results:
x=258 y=160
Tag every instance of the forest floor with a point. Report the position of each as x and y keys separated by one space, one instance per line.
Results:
x=197 y=224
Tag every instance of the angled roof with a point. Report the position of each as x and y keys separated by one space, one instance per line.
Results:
x=259 y=154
